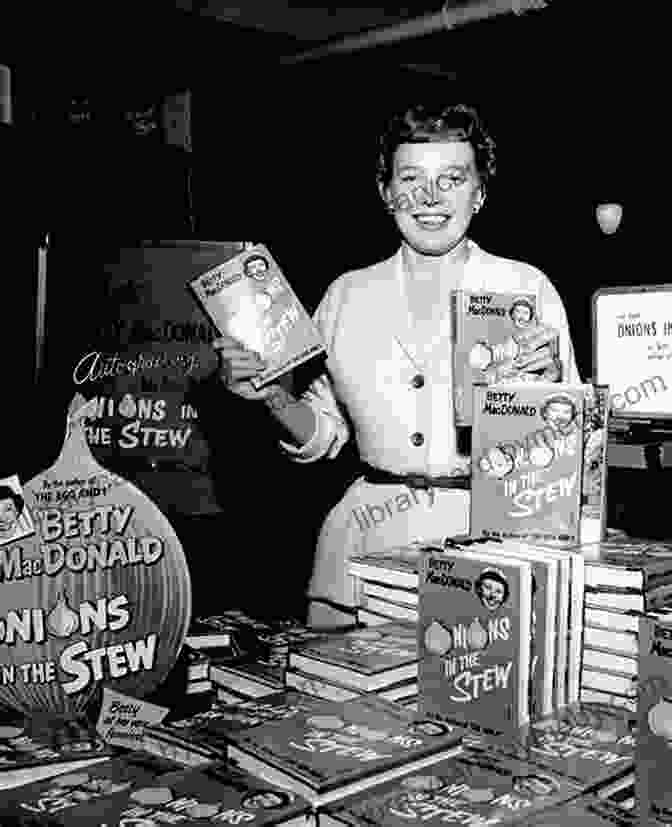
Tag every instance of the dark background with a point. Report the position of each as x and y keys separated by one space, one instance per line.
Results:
x=286 y=155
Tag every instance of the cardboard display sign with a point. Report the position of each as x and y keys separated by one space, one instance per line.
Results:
x=99 y=594
x=143 y=353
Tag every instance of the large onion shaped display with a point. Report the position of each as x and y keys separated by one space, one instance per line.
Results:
x=99 y=595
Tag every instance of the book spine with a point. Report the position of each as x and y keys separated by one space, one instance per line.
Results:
x=576 y=628
x=393 y=611
x=462 y=391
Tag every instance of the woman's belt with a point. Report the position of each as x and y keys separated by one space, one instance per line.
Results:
x=377 y=476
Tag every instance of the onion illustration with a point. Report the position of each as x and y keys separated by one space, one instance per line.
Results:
x=103 y=581
x=127 y=406
x=477 y=636
x=438 y=639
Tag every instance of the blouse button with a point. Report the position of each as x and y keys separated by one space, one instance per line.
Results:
x=417 y=439
x=418 y=381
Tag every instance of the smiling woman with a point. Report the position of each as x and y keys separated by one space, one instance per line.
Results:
x=388 y=335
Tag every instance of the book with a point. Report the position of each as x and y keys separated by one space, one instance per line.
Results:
x=142 y=789
x=628 y=563
x=367 y=618
x=654 y=718
x=469 y=789
x=613 y=620
x=628 y=600
x=591 y=745
x=394 y=611
x=607 y=699
x=609 y=662
x=404 y=596
x=364 y=659
x=203 y=635
x=622 y=643
x=545 y=668
x=253 y=679
x=584 y=812
x=576 y=611
x=611 y=683
x=527 y=462
x=394 y=566
x=597 y=406
x=249 y=298
x=320 y=687
x=338 y=749
x=474 y=639
x=489 y=333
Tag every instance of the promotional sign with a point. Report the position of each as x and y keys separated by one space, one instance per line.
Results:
x=144 y=356
x=99 y=594
x=632 y=336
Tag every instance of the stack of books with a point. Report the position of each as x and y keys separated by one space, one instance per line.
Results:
x=387 y=585
x=265 y=643
x=141 y=789
x=336 y=749
x=555 y=621
x=341 y=666
x=625 y=579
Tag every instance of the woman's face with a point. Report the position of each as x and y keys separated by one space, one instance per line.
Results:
x=433 y=192
x=8 y=515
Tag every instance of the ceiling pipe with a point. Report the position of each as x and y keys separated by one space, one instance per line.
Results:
x=447 y=18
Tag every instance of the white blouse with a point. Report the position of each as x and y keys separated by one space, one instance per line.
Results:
x=374 y=352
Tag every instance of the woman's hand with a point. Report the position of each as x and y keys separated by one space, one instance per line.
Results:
x=237 y=366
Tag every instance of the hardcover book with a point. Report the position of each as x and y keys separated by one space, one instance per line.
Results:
x=609 y=662
x=589 y=744
x=654 y=716
x=628 y=563
x=336 y=749
x=202 y=635
x=253 y=680
x=616 y=621
x=393 y=611
x=474 y=639
x=527 y=450
x=622 y=643
x=490 y=332
x=469 y=789
x=394 y=566
x=139 y=788
x=364 y=659
x=594 y=696
x=404 y=596
x=622 y=685
x=594 y=486
x=249 y=298
x=585 y=812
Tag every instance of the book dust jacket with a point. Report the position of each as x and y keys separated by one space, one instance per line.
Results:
x=654 y=714
x=491 y=331
x=474 y=640
x=249 y=298
x=527 y=449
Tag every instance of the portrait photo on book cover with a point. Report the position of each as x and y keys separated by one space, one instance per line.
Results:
x=267 y=800
x=492 y=589
x=15 y=520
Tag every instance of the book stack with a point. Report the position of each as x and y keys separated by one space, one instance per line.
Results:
x=261 y=669
x=336 y=749
x=141 y=789
x=625 y=578
x=555 y=630
x=345 y=665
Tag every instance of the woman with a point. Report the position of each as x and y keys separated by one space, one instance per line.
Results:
x=388 y=337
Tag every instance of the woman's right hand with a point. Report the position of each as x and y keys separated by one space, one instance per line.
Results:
x=237 y=365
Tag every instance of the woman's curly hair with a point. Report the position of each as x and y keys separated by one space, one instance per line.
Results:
x=421 y=124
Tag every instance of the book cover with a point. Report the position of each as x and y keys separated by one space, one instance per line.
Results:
x=628 y=563
x=469 y=789
x=474 y=639
x=367 y=659
x=654 y=717
x=202 y=635
x=589 y=744
x=142 y=789
x=527 y=451
x=333 y=746
x=584 y=812
x=489 y=334
x=597 y=405
x=249 y=298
